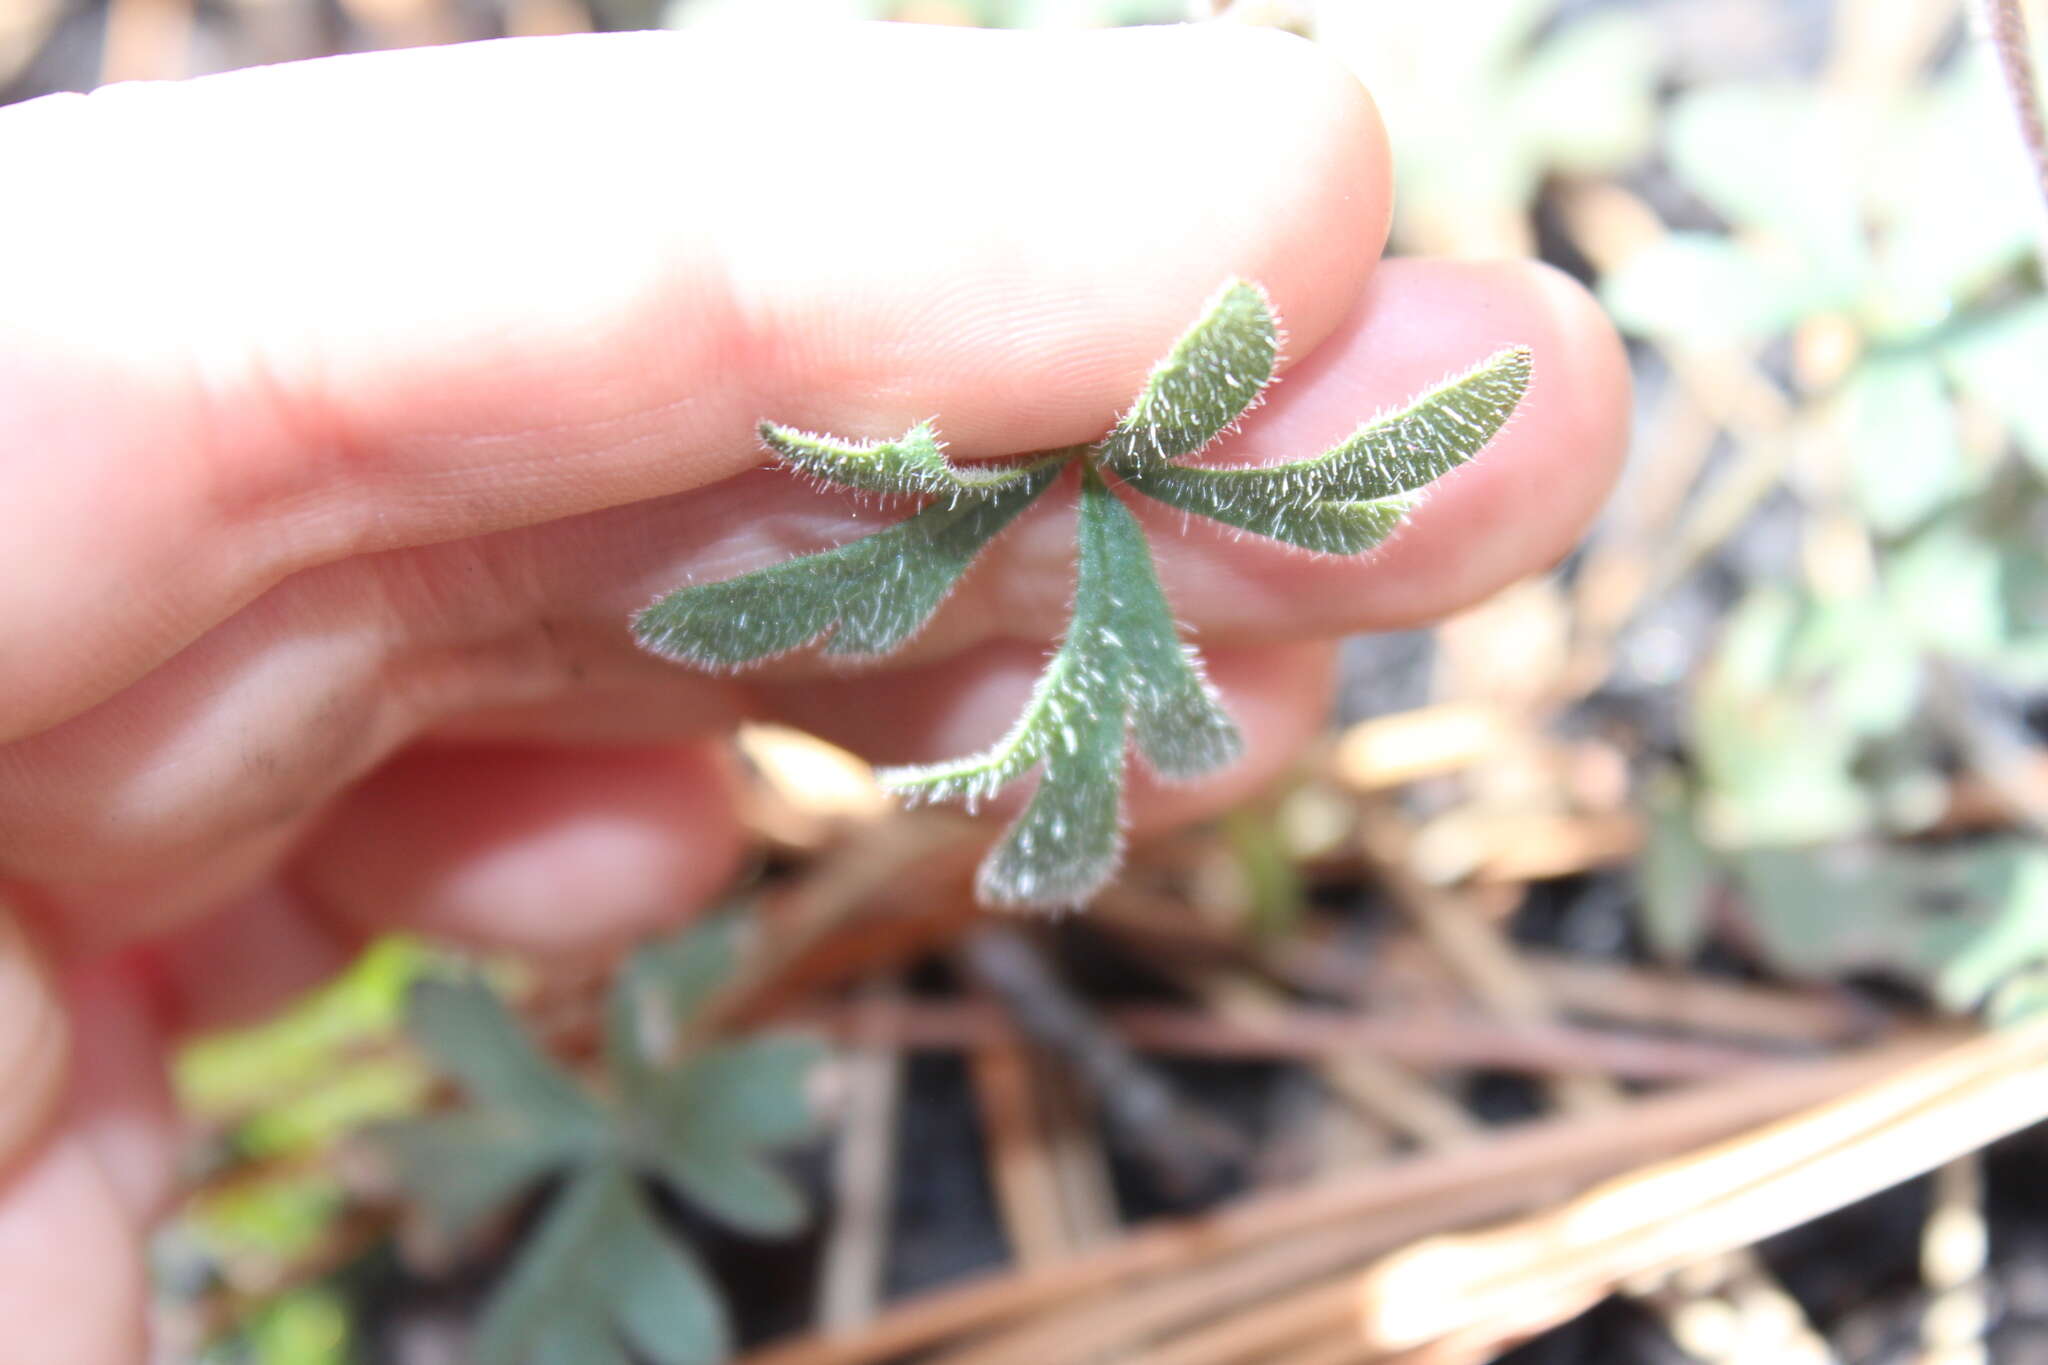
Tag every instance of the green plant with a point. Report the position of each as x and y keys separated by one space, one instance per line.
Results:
x=1961 y=921
x=1820 y=727
x=599 y=1274
x=1121 y=668
x=1485 y=99
x=1898 y=222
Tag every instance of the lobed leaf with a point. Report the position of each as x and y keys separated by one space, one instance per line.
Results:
x=735 y=1185
x=1121 y=660
x=462 y=1168
x=472 y=1037
x=1326 y=528
x=601 y=1276
x=1216 y=371
x=1069 y=694
x=600 y=1280
x=1120 y=669
x=754 y=1091
x=1350 y=497
x=1069 y=840
x=873 y=593
x=1906 y=456
x=1180 y=726
x=659 y=993
x=914 y=464
x=701 y=1128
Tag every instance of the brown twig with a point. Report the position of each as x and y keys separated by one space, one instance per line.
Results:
x=1367 y=1080
x=1013 y=1139
x=1526 y=1161
x=1328 y=1305
x=1476 y=953
x=1396 y=971
x=1492 y=1287
x=846 y=919
x=1480 y=954
x=1190 y=1152
x=1432 y=1039
x=863 y=1164
x=2005 y=27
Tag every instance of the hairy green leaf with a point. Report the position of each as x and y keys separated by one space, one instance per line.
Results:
x=1352 y=496
x=1121 y=661
x=914 y=464
x=877 y=591
x=1325 y=528
x=600 y=1275
x=1069 y=840
x=1180 y=727
x=1083 y=680
x=1214 y=373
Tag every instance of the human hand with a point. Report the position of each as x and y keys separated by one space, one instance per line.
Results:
x=352 y=407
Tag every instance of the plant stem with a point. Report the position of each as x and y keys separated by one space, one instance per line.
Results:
x=2005 y=27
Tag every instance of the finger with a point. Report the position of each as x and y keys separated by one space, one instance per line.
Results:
x=337 y=667
x=393 y=299
x=34 y=1041
x=72 y=1285
x=542 y=609
x=549 y=851
x=85 y=1160
x=118 y=1099
x=184 y=792
x=240 y=962
x=1512 y=511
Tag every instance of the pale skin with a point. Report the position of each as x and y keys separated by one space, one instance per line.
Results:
x=350 y=408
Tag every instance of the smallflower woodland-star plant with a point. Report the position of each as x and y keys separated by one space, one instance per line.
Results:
x=1121 y=674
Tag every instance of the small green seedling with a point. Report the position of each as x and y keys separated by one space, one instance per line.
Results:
x=1121 y=671
x=603 y=1275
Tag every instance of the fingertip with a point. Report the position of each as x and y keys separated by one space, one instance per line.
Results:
x=1525 y=501
x=1310 y=140
x=72 y=1281
x=1340 y=149
x=119 y=1104
x=35 y=1042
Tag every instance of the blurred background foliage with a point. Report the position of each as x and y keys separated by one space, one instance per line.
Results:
x=1810 y=632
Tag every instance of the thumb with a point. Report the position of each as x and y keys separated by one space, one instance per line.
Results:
x=72 y=1285
x=265 y=320
x=33 y=1042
